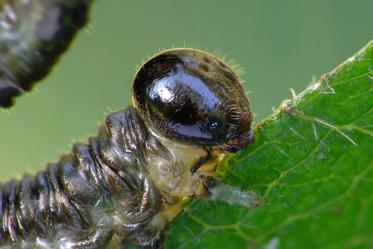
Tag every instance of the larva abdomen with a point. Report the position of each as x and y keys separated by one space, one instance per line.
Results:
x=100 y=188
x=33 y=34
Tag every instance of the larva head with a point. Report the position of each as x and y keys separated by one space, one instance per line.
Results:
x=193 y=97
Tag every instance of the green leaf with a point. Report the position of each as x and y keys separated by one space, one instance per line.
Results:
x=312 y=163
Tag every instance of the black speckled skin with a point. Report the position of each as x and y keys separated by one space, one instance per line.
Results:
x=33 y=35
x=77 y=197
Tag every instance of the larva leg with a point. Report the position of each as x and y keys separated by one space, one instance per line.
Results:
x=155 y=244
x=143 y=226
x=221 y=191
x=99 y=238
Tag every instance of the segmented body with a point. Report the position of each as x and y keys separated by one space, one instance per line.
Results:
x=33 y=34
x=99 y=189
x=189 y=108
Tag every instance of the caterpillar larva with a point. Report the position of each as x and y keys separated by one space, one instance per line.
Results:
x=33 y=34
x=189 y=109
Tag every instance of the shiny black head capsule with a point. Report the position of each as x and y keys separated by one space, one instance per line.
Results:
x=193 y=97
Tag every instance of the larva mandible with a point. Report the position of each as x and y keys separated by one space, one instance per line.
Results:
x=189 y=109
x=33 y=34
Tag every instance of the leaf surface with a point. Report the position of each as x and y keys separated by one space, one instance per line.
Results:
x=313 y=164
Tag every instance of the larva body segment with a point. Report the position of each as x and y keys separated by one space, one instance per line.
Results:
x=129 y=181
x=100 y=186
x=33 y=34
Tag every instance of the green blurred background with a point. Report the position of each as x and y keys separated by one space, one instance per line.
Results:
x=280 y=45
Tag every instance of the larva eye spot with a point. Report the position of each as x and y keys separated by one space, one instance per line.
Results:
x=193 y=97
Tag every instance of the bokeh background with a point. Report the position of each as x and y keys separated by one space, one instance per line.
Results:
x=280 y=44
